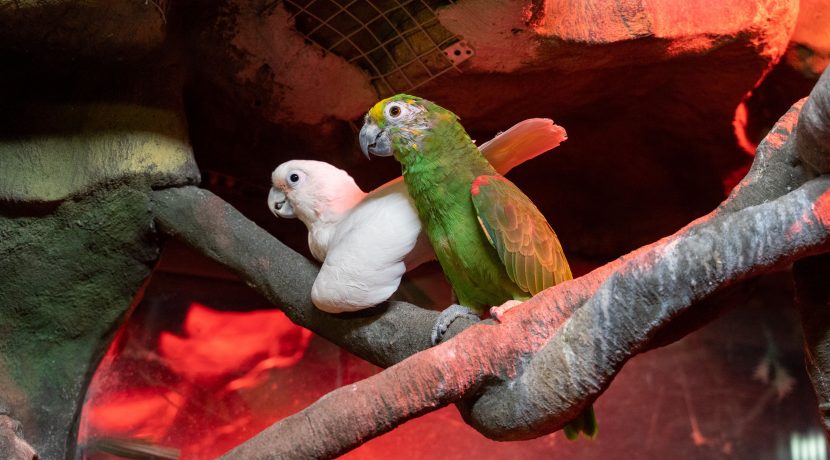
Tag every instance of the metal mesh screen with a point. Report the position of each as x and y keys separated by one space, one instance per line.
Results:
x=400 y=43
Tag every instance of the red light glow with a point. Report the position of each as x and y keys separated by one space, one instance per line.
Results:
x=200 y=381
x=218 y=344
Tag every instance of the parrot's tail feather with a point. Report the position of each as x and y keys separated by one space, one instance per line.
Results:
x=571 y=430
x=589 y=425
x=585 y=423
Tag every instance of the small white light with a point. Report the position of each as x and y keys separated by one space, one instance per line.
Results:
x=809 y=446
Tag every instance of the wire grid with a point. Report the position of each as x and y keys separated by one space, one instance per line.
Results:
x=400 y=43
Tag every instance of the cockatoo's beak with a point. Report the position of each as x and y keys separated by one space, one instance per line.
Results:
x=279 y=205
x=374 y=140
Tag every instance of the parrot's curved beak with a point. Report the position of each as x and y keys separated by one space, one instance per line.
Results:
x=279 y=205
x=374 y=140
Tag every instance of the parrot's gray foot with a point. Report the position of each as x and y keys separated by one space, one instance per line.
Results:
x=497 y=313
x=445 y=319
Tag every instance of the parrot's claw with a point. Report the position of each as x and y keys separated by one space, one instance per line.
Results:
x=446 y=318
x=497 y=313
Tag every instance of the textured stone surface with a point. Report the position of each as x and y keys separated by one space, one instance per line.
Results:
x=291 y=71
x=256 y=56
x=65 y=30
x=89 y=145
x=12 y=444
x=70 y=275
x=81 y=147
x=810 y=47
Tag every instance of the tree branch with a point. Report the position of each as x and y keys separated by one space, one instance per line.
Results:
x=529 y=375
x=213 y=227
x=642 y=297
x=551 y=381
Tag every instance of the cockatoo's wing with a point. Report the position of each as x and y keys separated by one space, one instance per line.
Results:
x=369 y=253
x=422 y=252
x=523 y=141
x=526 y=244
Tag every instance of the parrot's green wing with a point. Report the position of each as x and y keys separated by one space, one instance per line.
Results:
x=530 y=251
x=526 y=244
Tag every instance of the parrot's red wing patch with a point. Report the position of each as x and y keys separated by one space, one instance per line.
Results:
x=525 y=242
x=478 y=182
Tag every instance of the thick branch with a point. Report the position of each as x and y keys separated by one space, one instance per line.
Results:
x=812 y=140
x=215 y=228
x=554 y=384
x=545 y=378
x=656 y=284
x=643 y=296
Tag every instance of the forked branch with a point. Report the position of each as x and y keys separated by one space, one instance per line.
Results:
x=555 y=353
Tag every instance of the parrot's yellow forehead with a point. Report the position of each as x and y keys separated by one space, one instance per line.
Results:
x=376 y=112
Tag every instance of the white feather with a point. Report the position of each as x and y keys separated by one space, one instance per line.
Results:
x=365 y=241
x=368 y=254
x=323 y=197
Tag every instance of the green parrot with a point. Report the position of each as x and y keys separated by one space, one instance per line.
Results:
x=493 y=244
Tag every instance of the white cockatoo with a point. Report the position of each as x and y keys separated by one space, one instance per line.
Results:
x=367 y=241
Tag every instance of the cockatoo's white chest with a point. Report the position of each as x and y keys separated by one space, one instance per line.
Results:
x=320 y=237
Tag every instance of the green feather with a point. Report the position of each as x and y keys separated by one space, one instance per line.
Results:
x=526 y=244
x=491 y=241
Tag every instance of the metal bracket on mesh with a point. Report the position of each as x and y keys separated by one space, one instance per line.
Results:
x=459 y=52
x=400 y=43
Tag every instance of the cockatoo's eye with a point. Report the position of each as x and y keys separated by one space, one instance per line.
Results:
x=294 y=178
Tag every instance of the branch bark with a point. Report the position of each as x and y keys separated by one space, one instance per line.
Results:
x=556 y=352
x=213 y=227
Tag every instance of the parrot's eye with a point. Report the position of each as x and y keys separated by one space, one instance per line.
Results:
x=294 y=178
x=394 y=111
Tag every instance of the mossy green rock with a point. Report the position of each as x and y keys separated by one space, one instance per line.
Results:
x=76 y=243
x=69 y=277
